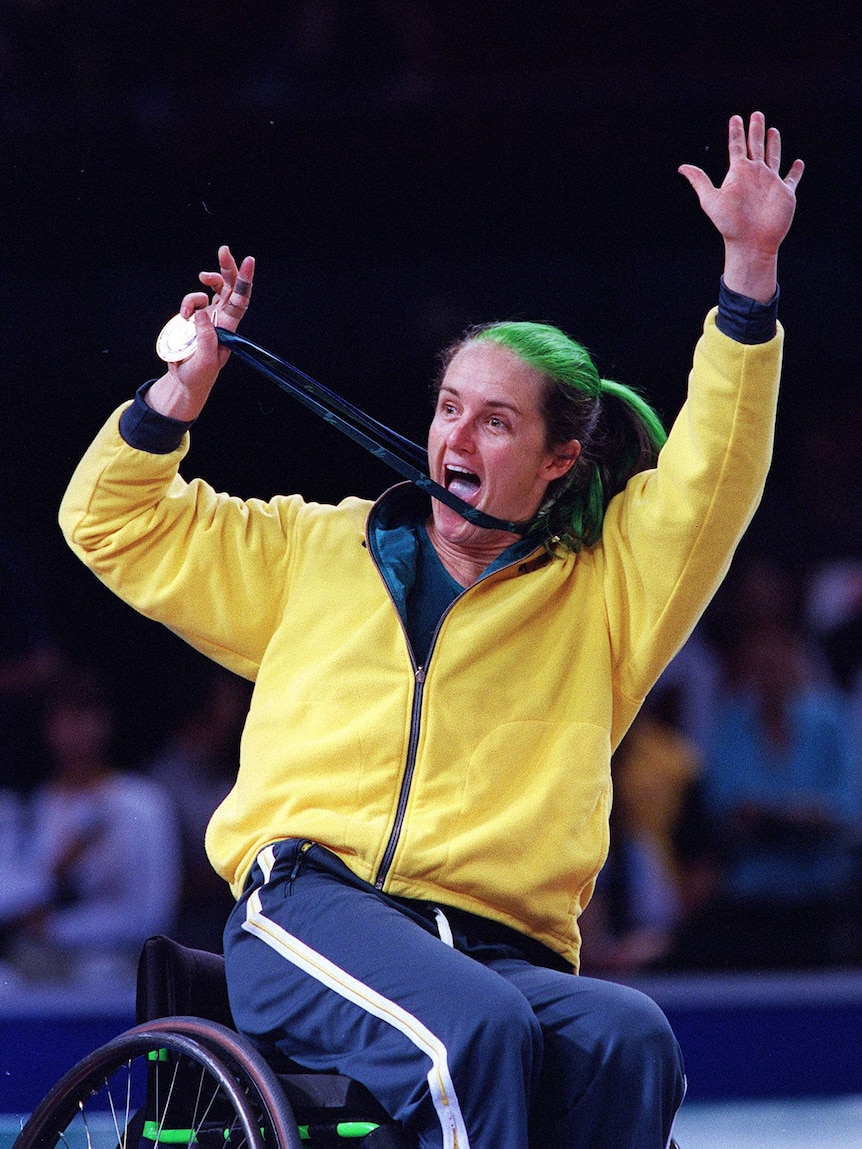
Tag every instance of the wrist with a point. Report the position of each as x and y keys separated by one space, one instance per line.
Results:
x=170 y=397
x=745 y=320
x=146 y=429
x=750 y=271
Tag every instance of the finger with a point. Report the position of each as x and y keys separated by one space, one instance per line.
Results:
x=246 y=269
x=235 y=304
x=736 y=146
x=698 y=179
x=239 y=297
x=215 y=282
x=203 y=365
x=207 y=345
x=756 y=135
x=227 y=265
x=773 y=149
x=194 y=301
x=212 y=279
x=795 y=174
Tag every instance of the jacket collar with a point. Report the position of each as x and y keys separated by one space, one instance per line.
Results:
x=404 y=505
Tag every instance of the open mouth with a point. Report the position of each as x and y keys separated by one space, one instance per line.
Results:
x=463 y=483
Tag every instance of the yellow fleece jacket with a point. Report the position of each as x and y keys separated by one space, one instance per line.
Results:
x=483 y=780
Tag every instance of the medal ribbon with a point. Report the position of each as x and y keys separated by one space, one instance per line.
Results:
x=404 y=456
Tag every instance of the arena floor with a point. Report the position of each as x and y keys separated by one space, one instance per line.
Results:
x=833 y=1123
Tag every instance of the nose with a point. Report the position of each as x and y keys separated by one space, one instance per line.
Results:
x=460 y=436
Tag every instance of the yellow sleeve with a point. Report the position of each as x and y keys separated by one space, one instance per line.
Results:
x=668 y=539
x=210 y=567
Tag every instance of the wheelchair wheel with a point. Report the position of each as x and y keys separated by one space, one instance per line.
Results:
x=173 y=1082
x=259 y=1081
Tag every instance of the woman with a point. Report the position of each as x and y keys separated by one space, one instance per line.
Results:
x=422 y=803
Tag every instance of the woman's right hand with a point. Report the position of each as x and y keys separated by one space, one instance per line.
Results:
x=184 y=389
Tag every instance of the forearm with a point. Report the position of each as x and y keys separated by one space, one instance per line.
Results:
x=745 y=319
x=147 y=429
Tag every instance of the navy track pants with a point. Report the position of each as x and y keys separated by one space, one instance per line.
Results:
x=479 y=1048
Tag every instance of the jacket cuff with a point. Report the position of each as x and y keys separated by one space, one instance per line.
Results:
x=745 y=320
x=146 y=430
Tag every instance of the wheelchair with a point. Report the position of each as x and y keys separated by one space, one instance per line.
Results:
x=183 y=1076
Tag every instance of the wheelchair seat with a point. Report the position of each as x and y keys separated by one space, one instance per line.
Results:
x=183 y=1076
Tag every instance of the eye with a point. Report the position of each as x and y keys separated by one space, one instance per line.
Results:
x=497 y=424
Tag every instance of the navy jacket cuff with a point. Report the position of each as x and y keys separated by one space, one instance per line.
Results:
x=146 y=430
x=745 y=320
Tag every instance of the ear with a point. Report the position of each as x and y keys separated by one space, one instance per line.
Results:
x=561 y=460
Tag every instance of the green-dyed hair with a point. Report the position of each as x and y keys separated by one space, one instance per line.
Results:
x=620 y=434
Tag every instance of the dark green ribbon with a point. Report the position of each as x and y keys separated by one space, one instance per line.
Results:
x=381 y=441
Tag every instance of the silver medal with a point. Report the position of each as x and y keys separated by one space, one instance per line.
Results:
x=177 y=340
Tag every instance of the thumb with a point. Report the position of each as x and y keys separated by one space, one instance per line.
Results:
x=698 y=179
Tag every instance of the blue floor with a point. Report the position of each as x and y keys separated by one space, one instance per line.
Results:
x=834 y=1123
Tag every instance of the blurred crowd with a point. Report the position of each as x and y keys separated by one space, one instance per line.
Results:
x=101 y=844
x=736 y=831
x=737 y=825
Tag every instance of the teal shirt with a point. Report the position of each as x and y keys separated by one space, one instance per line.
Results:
x=432 y=593
x=421 y=587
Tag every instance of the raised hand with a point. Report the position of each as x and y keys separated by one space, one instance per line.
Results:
x=183 y=390
x=753 y=207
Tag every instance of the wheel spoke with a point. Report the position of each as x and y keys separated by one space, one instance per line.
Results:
x=163 y=1110
x=121 y=1134
x=86 y=1125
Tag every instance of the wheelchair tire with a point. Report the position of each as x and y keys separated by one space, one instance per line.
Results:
x=155 y=1086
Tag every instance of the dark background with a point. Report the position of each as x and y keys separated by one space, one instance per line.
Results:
x=400 y=170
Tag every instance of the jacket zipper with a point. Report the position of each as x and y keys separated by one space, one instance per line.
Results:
x=406 y=781
x=419 y=675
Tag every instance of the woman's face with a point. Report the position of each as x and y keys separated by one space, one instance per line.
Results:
x=488 y=442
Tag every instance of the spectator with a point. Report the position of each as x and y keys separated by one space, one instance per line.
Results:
x=28 y=661
x=90 y=868
x=834 y=610
x=780 y=791
x=636 y=908
x=688 y=688
x=197 y=767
